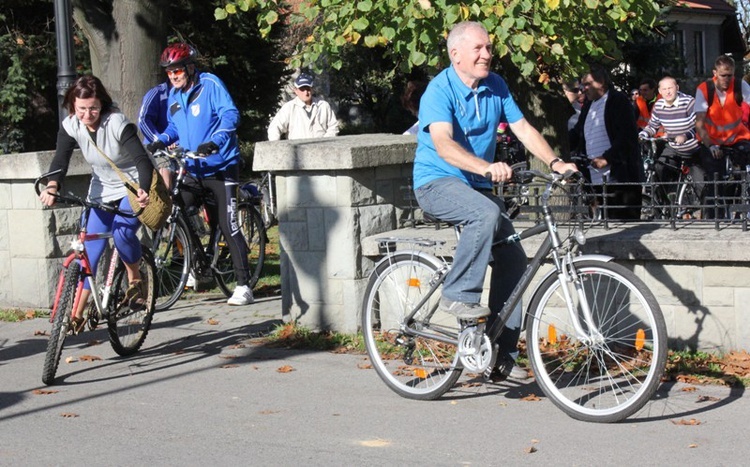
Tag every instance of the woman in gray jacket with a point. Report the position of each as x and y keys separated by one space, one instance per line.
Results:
x=96 y=126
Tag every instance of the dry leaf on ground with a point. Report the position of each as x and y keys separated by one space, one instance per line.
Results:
x=69 y=415
x=708 y=399
x=285 y=369
x=227 y=357
x=689 y=389
x=70 y=359
x=364 y=366
x=691 y=422
x=531 y=398
x=531 y=450
x=212 y=322
x=44 y=392
x=229 y=365
x=89 y=358
x=41 y=333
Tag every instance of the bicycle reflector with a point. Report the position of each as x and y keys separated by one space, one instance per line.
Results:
x=552 y=334
x=413 y=282
x=640 y=339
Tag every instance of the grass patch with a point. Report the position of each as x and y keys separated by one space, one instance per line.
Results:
x=15 y=315
x=731 y=369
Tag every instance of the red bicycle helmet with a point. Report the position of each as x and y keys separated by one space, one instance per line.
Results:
x=178 y=54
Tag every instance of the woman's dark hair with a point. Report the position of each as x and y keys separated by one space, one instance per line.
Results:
x=412 y=94
x=86 y=87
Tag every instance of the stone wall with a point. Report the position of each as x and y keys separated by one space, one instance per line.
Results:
x=33 y=240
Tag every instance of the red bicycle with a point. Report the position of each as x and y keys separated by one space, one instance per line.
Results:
x=127 y=326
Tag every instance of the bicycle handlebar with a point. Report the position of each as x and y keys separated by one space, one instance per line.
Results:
x=70 y=198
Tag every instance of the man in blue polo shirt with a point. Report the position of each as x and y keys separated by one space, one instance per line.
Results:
x=458 y=117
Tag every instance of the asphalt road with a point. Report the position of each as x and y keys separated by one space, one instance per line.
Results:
x=205 y=390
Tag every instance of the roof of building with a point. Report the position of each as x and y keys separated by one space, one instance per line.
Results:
x=709 y=6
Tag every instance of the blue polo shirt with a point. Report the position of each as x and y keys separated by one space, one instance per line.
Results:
x=474 y=114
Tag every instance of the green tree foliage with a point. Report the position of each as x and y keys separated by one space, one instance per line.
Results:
x=543 y=38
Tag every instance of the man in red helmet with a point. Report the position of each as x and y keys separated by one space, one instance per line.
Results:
x=203 y=117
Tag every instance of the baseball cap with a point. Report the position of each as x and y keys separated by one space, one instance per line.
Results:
x=303 y=80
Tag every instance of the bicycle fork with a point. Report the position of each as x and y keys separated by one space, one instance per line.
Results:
x=569 y=275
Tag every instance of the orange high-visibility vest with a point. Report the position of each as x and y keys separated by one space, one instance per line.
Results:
x=724 y=123
x=644 y=114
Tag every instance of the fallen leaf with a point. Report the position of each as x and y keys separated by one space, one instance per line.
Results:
x=44 y=392
x=689 y=389
x=285 y=369
x=212 y=322
x=269 y=412
x=691 y=446
x=41 y=333
x=69 y=415
x=93 y=342
x=454 y=402
x=471 y=384
x=708 y=399
x=70 y=359
x=178 y=352
x=228 y=357
x=534 y=441
x=89 y=358
x=364 y=366
x=30 y=314
x=691 y=422
x=237 y=346
x=531 y=398
x=375 y=443
x=229 y=365
x=531 y=450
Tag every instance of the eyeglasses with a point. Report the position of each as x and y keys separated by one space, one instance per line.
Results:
x=176 y=72
x=91 y=110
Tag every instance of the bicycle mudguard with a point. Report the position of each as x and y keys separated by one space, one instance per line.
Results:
x=413 y=253
x=601 y=258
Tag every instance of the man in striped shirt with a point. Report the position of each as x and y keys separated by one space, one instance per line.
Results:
x=675 y=112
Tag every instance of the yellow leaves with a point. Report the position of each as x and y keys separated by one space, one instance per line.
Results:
x=544 y=78
x=425 y=4
x=552 y=4
x=464 y=12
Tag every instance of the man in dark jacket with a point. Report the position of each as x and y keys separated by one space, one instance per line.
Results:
x=606 y=133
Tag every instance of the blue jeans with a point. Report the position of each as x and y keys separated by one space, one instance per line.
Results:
x=483 y=220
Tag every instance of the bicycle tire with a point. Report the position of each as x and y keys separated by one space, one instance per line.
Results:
x=128 y=328
x=688 y=201
x=610 y=377
x=61 y=322
x=413 y=367
x=254 y=233
x=172 y=260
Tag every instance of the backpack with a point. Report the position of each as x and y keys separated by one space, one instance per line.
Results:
x=711 y=88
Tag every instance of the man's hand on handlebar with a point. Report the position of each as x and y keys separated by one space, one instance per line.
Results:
x=564 y=167
x=47 y=196
x=498 y=172
x=155 y=146
x=207 y=148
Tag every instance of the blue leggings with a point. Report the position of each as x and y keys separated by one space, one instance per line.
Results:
x=123 y=230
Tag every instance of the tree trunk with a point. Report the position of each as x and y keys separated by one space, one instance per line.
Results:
x=120 y=34
x=547 y=110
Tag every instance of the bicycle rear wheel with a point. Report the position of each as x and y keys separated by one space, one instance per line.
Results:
x=254 y=232
x=605 y=373
x=172 y=259
x=61 y=322
x=415 y=367
x=128 y=328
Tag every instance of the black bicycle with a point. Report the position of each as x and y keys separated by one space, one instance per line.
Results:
x=190 y=243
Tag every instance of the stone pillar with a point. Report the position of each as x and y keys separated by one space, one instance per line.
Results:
x=331 y=194
x=33 y=240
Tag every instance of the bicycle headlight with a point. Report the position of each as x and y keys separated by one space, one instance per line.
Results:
x=579 y=236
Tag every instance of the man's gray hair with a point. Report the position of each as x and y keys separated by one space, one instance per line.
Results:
x=459 y=31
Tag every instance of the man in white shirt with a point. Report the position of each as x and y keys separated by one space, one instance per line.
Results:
x=304 y=116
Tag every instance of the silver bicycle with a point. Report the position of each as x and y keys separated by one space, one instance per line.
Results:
x=595 y=335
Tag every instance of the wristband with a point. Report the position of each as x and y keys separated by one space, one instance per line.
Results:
x=553 y=162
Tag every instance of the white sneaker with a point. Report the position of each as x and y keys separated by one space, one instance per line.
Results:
x=190 y=284
x=243 y=295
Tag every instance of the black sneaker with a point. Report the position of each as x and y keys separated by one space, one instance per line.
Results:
x=504 y=370
x=464 y=310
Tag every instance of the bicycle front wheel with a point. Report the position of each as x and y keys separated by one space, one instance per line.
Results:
x=605 y=368
x=254 y=233
x=416 y=367
x=172 y=259
x=61 y=321
x=128 y=328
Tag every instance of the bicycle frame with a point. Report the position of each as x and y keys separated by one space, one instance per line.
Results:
x=79 y=254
